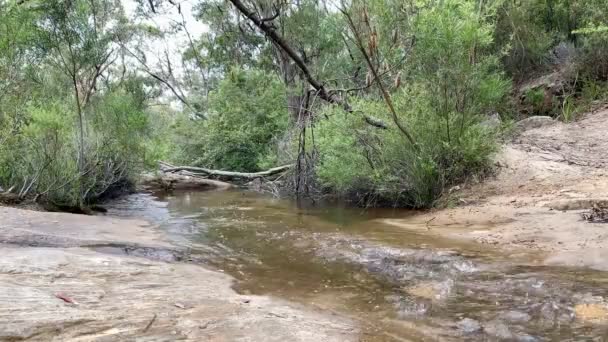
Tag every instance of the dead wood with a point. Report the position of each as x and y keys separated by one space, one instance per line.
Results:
x=224 y=175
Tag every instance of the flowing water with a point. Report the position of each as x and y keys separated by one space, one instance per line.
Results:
x=400 y=284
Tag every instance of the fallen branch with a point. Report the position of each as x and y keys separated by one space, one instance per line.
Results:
x=596 y=215
x=181 y=181
x=226 y=175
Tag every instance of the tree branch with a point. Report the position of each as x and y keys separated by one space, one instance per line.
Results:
x=271 y=33
x=370 y=64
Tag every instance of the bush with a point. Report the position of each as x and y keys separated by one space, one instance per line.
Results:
x=246 y=114
x=522 y=35
x=379 y=167
x=454 y=82
x=40 y=157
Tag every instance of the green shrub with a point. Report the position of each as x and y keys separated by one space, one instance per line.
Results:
x=522 y=36
x=364 y=163
x=246 y=114
x=534 y=101
x=454 y=82
x=40 y=157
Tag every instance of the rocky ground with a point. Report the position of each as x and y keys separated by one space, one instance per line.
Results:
x=68 y=277
x=548 y=175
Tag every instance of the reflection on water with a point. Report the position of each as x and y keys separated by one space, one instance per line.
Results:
x=401 y=284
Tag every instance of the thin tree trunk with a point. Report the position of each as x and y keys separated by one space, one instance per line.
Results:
x=375 y=74
x=80 y=138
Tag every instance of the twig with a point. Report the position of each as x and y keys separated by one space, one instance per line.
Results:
x=150 y=323
x=429 y=221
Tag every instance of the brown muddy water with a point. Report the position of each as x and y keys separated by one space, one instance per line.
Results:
x=401 y=285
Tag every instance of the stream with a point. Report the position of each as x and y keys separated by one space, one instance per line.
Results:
x=399 y=284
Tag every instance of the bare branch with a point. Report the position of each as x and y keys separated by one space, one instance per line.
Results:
x=271 y=33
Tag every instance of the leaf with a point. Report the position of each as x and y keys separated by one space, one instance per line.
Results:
x=65 y=298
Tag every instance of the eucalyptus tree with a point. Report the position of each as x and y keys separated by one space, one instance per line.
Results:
x=81 y=36
x=74 y=121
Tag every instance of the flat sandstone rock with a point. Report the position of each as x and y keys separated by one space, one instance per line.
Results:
x=77 y=294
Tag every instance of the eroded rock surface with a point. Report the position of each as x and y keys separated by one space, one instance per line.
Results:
x=64 y=291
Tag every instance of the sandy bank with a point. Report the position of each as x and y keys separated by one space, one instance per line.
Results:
x=547 y=176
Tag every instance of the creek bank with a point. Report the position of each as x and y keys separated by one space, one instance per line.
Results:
x=549 y=175
x=39 y=201
x=57 y=284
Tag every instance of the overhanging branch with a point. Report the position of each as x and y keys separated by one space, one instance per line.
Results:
x=323 y=93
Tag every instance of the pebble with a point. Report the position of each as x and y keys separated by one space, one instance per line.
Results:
x=468 y=325
x=498 y=329
x=515 y=316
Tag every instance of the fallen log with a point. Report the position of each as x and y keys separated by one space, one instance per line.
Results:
x=177 y=181
x=225 y=175
x=10 y=198
x=597 y=214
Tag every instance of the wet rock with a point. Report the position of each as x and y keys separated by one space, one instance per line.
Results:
x=128 y=297
x=554 y=313
x=407 y=308
x=526 y=338
x=397 y=265
x=594 y=313
x=393 y=298
x=432 y=290
x=423 y=291
x=498 y=329
x=515 y=316
x=587 y=298
x=548 y=312
x=468 y=325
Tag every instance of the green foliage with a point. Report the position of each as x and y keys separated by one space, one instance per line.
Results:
x=41 y=154
x=453 y=81
x=568 y=112
x=594 y=91
x=593 y=59
x=76 y=114
x=65 y=136
x=378 y=167
x=530 y=30
x=246 y=113
x=534 y=99
x=521 y=34
x=591 y=94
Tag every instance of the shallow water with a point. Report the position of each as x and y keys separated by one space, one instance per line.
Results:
x=401 y=284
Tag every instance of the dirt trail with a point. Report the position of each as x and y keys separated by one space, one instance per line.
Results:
x=547 y=175
x=61 y=288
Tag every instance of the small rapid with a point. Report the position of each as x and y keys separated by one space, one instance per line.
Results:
x=400 y=284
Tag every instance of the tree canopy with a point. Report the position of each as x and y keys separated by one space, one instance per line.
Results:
x=382 y=102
